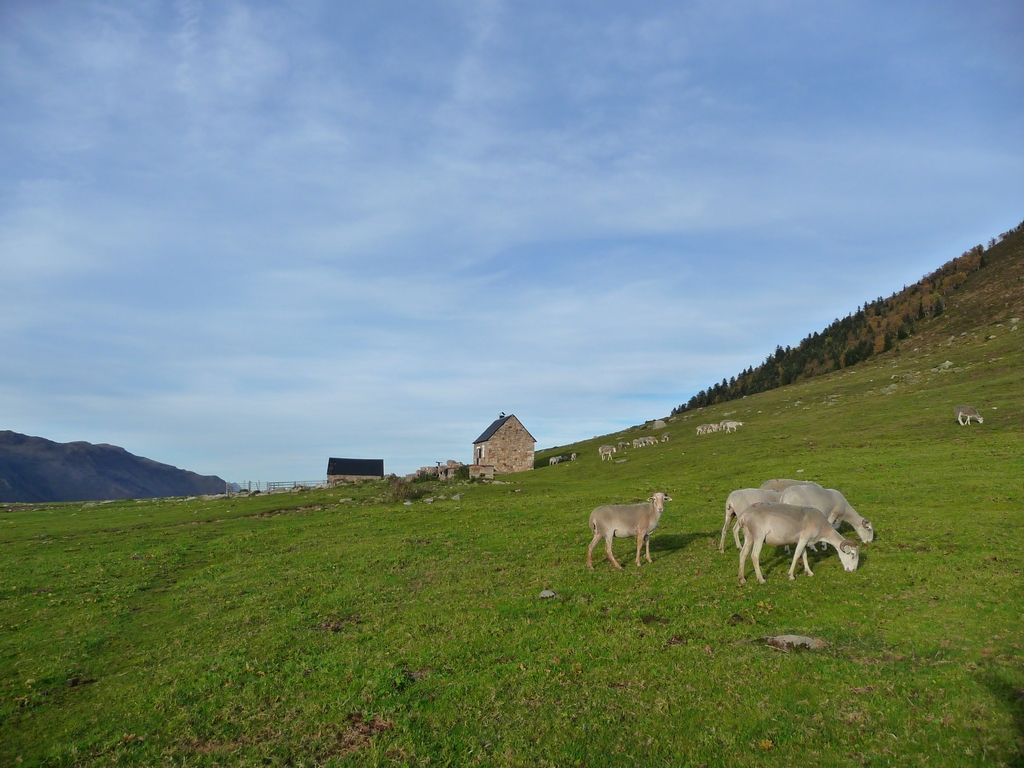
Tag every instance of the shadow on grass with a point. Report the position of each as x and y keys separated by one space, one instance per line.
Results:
x=773 y=558
x=671 y=542
x=1012 y=696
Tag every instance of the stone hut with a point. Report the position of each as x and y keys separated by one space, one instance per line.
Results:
x=505 y=447
x=354 y=470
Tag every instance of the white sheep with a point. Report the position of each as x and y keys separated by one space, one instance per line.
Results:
x=963 y=412
x=572 y=457
x=606 y=452
x=737 y=502
x=665 y=437
x=777 y=524
x=832 y=504
x=623 y=521
x=781 y=484
x=730 y=426
x=554 y=460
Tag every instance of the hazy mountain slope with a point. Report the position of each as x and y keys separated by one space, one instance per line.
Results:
x=33 y=469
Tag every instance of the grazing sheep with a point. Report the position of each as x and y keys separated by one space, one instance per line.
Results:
x=606 y=452
x=622 y=445
x=636 y=442
x=737 y=502
x=554 y=460
x=665 y=437
x=625 y=520
x=782 y=484
x=777 y=524
x=730 y=426
x=963 y=412
x=832 y=504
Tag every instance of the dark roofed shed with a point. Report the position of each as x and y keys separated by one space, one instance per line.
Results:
x=354 y=469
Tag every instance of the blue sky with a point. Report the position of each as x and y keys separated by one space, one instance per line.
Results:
x=242 y=237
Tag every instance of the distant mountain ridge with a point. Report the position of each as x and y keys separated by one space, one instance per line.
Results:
x=988 y=277
x=33 y=469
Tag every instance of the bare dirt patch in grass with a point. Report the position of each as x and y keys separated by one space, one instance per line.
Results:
x=338 y=623
x=358 y=732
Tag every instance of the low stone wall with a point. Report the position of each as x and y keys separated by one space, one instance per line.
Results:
x=334 y=479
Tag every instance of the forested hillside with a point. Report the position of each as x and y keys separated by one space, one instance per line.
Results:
x=877 y=327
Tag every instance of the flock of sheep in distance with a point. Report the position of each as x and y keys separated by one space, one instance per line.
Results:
x=781 y=513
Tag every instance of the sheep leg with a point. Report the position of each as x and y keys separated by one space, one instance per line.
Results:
x=801 y=549
x=590 y=550
x=747 y=543
x=807 y=568
x=756 y=558
x=736 y=534
x=725 y=528
x=608 y=550
x=647 y=543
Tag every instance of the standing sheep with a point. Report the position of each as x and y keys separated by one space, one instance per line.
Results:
x=623 y=521
x=778 y=524
x=606 y=452
x=964 y=414
x=832 y=504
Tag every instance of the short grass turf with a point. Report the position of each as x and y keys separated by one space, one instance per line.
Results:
x=342 y=628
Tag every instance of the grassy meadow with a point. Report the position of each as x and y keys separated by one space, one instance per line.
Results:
x=343 y=627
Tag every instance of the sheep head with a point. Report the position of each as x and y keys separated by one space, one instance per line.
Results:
x=659 y=499
x=865 y=530
x=849 y=554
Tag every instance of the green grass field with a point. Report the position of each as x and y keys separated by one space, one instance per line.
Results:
x=338 y=627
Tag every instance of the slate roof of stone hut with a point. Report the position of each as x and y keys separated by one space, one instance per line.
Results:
x=498 y=424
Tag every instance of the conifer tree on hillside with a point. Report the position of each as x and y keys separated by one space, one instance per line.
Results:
x=873 y=329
